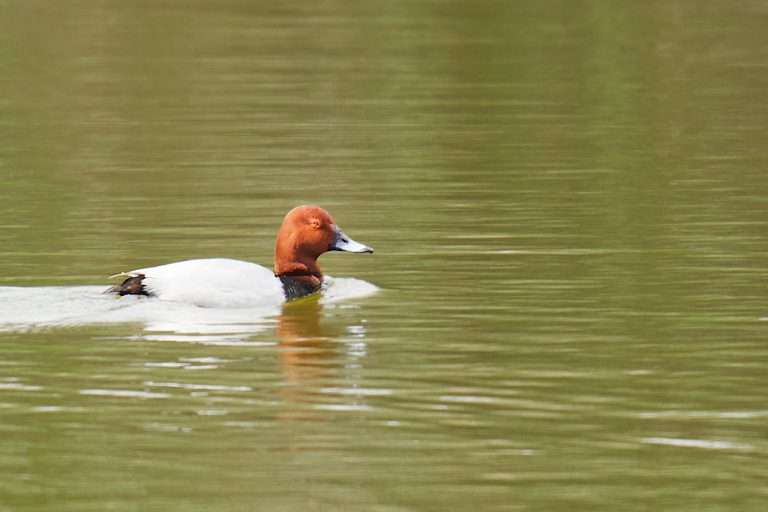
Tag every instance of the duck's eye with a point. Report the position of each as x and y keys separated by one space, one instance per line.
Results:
x=315 y=223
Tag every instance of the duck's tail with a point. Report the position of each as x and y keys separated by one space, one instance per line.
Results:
x=133 y=285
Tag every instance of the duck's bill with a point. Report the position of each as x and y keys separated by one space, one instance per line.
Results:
x=342 y=242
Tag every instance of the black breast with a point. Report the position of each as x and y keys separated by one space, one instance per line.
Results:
x=299 y=286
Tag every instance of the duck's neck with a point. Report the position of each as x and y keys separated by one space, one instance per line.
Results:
x=297 y=267
x=299 y=278
x=298 y=272
x=290 y=261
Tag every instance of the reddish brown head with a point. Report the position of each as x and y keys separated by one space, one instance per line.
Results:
x=306 y=233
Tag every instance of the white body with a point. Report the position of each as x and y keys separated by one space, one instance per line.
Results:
x=216 y=282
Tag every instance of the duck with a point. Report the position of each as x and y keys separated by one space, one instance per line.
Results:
x=306 y=232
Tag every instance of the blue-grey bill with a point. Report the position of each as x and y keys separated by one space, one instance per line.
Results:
x=342 y=242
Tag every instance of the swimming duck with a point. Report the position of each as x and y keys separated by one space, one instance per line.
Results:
x=306 y=233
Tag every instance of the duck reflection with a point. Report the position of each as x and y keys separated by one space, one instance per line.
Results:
x=310 y=356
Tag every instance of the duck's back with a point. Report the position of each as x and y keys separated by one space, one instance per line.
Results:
x=216 y=282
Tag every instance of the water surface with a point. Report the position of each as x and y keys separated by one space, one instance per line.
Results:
x=567 y=202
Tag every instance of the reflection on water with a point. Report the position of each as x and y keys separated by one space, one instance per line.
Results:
x=567 y=201
x=310 y=356
x=310 y=351
x=304 y=350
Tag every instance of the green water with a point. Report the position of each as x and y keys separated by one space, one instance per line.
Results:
x=568 y=205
